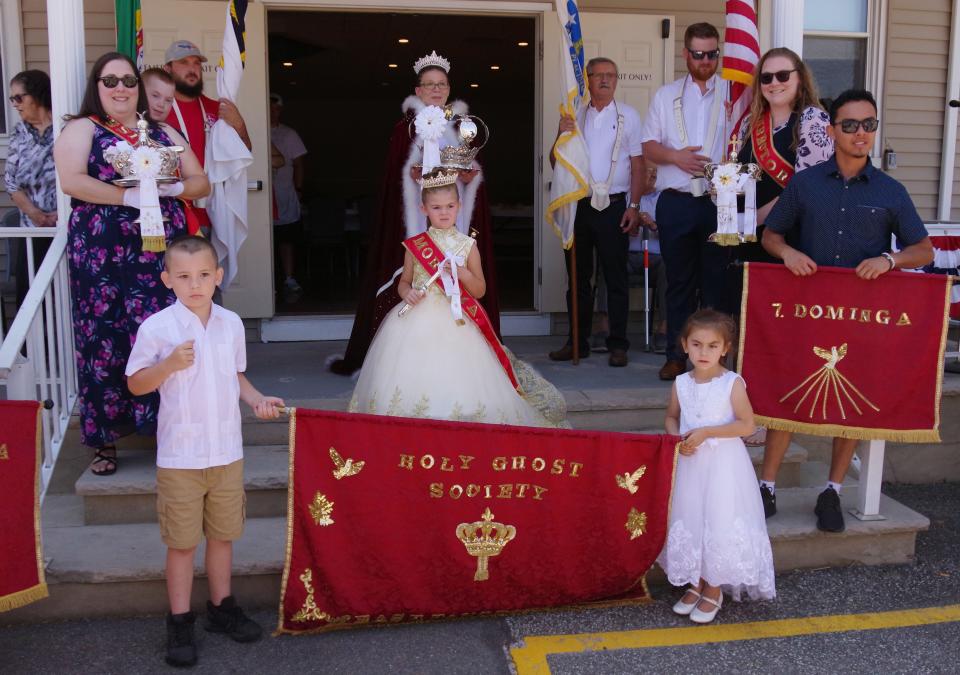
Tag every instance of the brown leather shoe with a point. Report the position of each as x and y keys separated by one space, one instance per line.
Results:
x=565 y=353
x=618 y=358
x=671 y=369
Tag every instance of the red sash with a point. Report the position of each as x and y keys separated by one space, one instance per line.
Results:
x=769 y=159
x=426 y=252
x=130 y=136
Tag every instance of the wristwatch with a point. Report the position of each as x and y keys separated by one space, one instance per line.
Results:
x=634 y=205
x=889 y=258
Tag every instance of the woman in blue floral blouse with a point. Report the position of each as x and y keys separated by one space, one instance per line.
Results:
x=29 y=176
x=115 y=284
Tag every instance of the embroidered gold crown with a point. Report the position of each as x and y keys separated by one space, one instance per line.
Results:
x=439 y=177
x=432 y=59
x=484 y=539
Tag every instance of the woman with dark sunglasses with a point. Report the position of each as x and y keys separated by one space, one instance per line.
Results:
x=114 y=277
x=29 y=175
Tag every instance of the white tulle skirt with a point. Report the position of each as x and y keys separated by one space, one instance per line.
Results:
x=717 y=530
x=426 y=365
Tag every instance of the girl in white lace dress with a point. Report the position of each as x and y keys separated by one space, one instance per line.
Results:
x=717 y=538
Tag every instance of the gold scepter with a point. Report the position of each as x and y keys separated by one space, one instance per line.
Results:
x=436 y=275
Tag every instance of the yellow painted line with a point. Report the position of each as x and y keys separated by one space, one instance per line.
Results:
x=530 y=657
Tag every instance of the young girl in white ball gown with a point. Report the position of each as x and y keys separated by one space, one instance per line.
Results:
x=717 y=537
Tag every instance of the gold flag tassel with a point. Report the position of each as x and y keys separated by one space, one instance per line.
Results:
x=154 y=244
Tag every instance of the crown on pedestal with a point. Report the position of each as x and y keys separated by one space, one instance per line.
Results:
x=439 y=177
x=432 y=59
x=484 y=539
x=124 y=165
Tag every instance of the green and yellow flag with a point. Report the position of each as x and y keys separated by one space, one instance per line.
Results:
x=130 y=30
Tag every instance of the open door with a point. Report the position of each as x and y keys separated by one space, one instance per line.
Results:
x=644 y=58
x=202 y=22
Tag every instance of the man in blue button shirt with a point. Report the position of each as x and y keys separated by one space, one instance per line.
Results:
x=840 y=213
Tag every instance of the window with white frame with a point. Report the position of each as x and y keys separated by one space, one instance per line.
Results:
x=836 y=44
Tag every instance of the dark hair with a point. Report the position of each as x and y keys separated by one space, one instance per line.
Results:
x=427 y=70
x=158 y=73
x=712 y=320
x=36 y=84
x=850 y=96
x=91 y=104
x=702 y=30
x=190 y=243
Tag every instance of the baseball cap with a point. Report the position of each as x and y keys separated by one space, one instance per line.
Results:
x=181 y=49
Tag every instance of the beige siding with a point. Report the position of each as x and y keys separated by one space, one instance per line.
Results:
x=99 y=31
x=918 y=47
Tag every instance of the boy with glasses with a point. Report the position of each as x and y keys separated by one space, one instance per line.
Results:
x=685 y=130
x=841 y=213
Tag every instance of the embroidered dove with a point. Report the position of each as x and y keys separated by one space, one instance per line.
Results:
x=344 y=468
x=628 y=481
x=832 y=357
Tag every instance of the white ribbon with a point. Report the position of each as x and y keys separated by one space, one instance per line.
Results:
x=451 y=283
x=749 y=227
x=151 y=219
x=431 y=155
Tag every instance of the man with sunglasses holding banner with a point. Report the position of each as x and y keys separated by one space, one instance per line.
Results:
x=841 y=213
x=683 y=132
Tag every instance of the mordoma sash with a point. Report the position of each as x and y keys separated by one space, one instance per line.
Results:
x=426 y=252
x=775 y=166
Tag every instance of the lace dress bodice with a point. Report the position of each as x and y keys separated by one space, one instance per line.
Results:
x=706 y=404
x=449 y=240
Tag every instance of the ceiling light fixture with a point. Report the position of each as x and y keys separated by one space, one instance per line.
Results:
x=403 y=41
x=474 y=85
x=494 y=67
x=523 y=44
x=391 y=65
x=288 y=64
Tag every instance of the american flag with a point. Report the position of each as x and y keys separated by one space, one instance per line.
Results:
x=741 y=52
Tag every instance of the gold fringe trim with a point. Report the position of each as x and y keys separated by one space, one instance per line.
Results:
x=859 y=433
x=728 y=239
x=154 y=244
x=750 y=238
x=743 y=317
x=291 y=440
x=24 y=597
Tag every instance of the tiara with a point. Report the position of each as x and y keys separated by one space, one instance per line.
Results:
x=433 y=59
x=439 y=178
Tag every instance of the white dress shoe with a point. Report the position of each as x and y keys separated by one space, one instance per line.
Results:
x=682 y=608
x=699 y=616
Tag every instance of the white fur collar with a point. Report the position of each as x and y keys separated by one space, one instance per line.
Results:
x=413 y=104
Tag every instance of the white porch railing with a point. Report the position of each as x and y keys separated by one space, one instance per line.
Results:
x=37 y=355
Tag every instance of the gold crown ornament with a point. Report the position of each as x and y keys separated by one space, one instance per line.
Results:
x=432 y=59
x=485 y=539
x=145 y=157
x=440 y=177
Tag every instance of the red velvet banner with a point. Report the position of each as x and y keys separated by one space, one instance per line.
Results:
x=396 y=520
x=21 y=581
x=836 y=355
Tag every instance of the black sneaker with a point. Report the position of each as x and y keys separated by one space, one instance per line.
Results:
x=829 y=515
x=769 y=500
x=181 y=652
x=229 y=618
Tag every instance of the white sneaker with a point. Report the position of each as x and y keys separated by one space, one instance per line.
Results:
x=699 y=616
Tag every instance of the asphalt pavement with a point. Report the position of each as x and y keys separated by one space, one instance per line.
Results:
x=135 y=645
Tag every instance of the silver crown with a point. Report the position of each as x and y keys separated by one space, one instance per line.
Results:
x=461 y=156
x=432 y=59
x=169 y=160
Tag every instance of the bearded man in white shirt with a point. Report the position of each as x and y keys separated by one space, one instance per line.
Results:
x=685 y=130
x=605 y=218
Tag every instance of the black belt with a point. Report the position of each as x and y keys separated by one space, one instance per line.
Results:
x=615 y=197
x=684 y=192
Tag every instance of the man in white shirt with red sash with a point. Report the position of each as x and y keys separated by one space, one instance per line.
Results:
x=611 y=132
x=684 y=131
x=193 y=114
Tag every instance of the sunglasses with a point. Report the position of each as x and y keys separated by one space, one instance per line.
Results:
x=850 y=126
x=111 y=81
x=17 y=98
x=699 y=55
x=781 y=75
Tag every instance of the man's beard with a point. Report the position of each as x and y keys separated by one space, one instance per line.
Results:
x=189 y=90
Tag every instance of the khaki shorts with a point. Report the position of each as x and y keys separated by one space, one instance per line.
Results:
x=194 y=501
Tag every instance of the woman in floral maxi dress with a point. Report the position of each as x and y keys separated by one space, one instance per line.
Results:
x=114 y=284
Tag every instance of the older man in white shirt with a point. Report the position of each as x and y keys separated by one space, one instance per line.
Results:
x=684 y=130
x=611 y=131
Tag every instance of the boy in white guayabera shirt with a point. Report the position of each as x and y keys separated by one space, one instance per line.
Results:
x=194 y=352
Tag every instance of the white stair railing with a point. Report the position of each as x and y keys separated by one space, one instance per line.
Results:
x=37 y=359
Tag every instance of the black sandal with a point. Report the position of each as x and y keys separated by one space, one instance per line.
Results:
x=111 y=461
